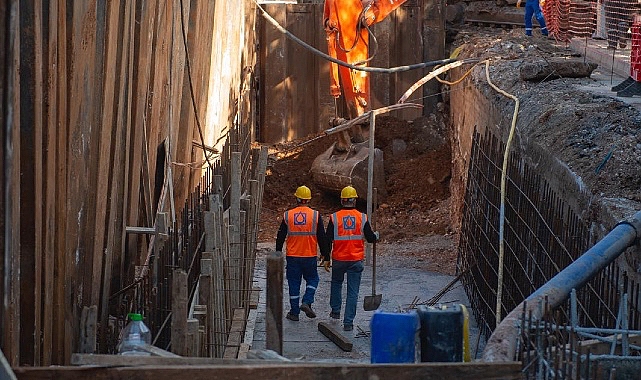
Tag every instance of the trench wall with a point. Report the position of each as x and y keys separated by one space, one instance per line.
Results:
x=551 y=218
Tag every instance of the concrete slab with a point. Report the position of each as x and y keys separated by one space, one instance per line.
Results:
x=400 y=287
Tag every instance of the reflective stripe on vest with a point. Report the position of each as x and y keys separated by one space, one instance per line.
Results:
x=348 y=235
x=301 y=231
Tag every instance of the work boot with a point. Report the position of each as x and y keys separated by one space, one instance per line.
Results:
x=307 y=309
x=623 y=84
x=633 y=89
x=292 y=317
x=335 y=315
x=348 y=327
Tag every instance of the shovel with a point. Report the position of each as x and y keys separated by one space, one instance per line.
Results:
x=374 y=301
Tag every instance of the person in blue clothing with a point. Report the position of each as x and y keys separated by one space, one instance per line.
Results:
x=533 y=8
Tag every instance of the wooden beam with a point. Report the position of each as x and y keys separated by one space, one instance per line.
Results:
x=140 y=230
x=179 y=306
x=274 y=307
x=330 y=332
x=263 y=371
x=89 y=329
x=165 y=358
x=50 y=187
x=192 y=338
x=26 y=149
x=236 y=332
x=62 y=270
x=254 y=298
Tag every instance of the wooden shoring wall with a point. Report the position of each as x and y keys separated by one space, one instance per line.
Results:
x=101 y=104
x=294 y=80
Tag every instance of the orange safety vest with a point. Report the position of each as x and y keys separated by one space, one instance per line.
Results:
x=348 y=235
x=301 y=231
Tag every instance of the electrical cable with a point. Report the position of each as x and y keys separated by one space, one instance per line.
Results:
x=499 y=286
x=191 y=85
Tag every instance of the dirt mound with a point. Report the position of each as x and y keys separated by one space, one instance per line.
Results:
x=417 y=162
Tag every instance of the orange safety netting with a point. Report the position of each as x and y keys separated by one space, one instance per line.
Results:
x=609 y=20
x=615 y=22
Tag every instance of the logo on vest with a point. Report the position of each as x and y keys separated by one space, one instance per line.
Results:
x=300 y=219
x=349 y=223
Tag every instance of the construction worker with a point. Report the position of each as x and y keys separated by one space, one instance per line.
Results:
x=346 y=230
x=303 y=228
x=533 y=8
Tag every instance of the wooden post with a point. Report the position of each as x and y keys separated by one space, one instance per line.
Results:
x=179 y=312
x=274 y=312
x=235 y=248
x=88 y=327
x=206 y=298
x=192 y=340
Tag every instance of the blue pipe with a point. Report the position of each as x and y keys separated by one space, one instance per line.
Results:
x=502 y=343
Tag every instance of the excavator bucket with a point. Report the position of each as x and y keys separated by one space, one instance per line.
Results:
x=332 y=171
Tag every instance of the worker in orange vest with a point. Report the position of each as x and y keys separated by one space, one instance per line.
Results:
x=346 y=231
x=304 y=230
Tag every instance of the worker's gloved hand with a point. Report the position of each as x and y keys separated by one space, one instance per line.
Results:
x=325 y=264
x=518 y=3
x=377 y=235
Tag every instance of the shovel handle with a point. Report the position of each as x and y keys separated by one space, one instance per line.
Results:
x=374 y=268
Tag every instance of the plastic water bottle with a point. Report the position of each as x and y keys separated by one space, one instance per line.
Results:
x=134 y=336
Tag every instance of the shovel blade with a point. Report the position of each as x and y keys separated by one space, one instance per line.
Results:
x=372 y=302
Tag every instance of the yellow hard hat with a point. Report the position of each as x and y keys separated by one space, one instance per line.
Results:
x=303 y=192
x=348 y=192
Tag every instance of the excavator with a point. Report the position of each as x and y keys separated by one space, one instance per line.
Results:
x=347 y=23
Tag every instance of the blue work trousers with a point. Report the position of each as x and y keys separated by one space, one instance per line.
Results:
x=297 y=268
x=353 y=269
x=533 y=8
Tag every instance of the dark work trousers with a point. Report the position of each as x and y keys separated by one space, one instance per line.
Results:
x=301 y=268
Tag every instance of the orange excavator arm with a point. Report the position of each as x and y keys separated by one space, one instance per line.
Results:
x=345 y=23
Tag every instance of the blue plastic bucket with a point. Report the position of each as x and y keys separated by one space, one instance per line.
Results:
x=394 y=337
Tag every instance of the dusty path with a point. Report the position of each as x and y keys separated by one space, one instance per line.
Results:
x=400 y=283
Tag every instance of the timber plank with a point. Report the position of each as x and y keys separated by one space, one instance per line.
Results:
x=235 y=248
x=81 y=68
x=179 y=307
x=49 y=222
x=159 y=357
x=282 y=370
x=104 y=165
x=39 y=176
x=330 y=332
x=62 y=268
x=25 y=161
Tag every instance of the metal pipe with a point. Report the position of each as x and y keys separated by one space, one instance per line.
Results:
x=502 y=343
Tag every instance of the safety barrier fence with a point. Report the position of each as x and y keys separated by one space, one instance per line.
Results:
x=609 y=20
